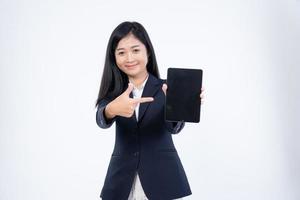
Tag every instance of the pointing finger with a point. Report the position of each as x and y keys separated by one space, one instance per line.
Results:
x=143 y=99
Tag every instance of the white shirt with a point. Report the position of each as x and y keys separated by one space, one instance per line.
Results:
x=137 y=93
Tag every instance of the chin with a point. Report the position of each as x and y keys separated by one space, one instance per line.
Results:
x=131 y=73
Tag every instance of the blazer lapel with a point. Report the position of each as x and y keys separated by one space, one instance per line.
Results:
x=150 y=89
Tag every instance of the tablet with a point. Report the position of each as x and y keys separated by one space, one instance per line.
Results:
x=183 y=95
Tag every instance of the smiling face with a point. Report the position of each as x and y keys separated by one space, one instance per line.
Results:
x=131 y=57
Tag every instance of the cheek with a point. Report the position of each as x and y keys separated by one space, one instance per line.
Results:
x=144 y=59
x=119 y=62
x=146 y=62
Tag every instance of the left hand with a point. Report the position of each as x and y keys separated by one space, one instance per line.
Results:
x=165 y=87
x=202 y=95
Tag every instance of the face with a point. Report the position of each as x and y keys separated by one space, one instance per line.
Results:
x=131 y=57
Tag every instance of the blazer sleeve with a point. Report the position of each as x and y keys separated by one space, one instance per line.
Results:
x=175 y=127
x=101 y=119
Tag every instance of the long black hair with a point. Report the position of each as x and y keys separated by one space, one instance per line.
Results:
x=114 y=81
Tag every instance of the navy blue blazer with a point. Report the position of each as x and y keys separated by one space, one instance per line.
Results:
x=144 y=146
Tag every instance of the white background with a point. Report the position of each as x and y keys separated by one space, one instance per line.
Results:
x=52 y=54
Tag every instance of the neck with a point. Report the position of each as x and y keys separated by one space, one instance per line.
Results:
x=138 y=80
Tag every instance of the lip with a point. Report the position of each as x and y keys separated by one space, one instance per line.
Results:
x=130 y=66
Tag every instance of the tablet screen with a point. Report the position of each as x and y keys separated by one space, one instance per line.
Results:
x=183 y=95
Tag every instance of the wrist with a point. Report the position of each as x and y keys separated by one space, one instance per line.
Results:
x=109 y=111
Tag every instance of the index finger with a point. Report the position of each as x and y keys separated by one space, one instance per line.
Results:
x=143 y=99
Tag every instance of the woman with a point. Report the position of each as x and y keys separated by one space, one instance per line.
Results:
x=144 y=163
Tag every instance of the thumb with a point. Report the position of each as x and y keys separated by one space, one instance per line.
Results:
x=164 y=88
x=129 y=89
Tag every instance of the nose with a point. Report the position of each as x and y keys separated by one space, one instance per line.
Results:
x=130 y=57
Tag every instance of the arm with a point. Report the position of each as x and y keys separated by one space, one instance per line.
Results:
x=123 y=106
x=101 y=118
x=175 y=127
x=172 y=127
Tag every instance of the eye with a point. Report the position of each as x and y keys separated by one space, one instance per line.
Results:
x=120 y=53
x=136 y=50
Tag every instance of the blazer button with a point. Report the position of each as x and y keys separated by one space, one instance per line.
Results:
x=136 y=154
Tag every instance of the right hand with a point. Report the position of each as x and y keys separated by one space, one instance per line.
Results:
x=123 y=105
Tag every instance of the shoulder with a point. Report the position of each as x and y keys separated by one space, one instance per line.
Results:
x=161 y=81
x=153 y=79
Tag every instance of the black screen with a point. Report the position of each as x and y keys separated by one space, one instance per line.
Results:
x=183 y=95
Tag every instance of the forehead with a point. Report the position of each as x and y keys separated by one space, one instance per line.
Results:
x=128 y=41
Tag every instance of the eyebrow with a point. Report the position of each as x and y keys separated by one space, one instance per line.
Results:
x=130 y=47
